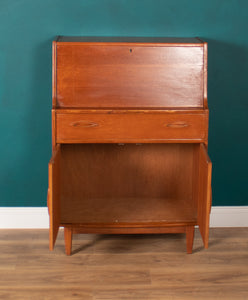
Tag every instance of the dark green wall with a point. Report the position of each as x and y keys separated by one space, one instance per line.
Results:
x=27 y=28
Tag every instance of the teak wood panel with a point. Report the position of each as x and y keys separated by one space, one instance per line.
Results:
x=131 y=127
x=204 y=193
x=127 y=184
x=95 y=75
x=53 y=197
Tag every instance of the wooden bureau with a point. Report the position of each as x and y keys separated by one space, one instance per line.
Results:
x=129 y=137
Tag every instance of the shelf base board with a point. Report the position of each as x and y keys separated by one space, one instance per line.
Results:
x=126 y=230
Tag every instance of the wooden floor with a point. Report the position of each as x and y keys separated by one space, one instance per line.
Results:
x=124 y=267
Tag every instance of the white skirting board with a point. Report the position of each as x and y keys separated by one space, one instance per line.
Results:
x=37 y=217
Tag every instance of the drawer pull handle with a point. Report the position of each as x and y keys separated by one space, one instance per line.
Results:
x=177 y=125
x=85 y=124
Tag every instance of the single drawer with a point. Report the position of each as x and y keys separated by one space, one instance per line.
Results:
x=130 y=127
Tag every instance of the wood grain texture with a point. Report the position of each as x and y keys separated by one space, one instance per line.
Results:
x=131 y=127
x=54 y=135
x=190 y=230
x=127 y=210
x=91 y=75
x=54 y=74
x=204 y=193
x=54 y=196
x=150 y=267
x=205 y=75
x=68 y=240
x=151 y=228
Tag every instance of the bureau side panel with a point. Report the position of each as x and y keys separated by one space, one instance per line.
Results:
x=132 y=75
x=54 y=74
x=54 y=196
x=204 y=193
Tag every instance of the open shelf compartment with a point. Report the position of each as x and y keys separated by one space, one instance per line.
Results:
x=127 y=183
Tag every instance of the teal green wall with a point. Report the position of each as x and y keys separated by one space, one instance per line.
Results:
x=27 y=28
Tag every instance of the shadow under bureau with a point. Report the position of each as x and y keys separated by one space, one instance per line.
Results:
x=129 y=136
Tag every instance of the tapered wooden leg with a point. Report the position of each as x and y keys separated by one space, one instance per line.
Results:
x=190 y=230
x=68 y=240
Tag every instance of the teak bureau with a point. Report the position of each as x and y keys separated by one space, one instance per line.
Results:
x=129 y=137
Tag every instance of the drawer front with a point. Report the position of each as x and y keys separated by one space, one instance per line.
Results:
x=132 y=127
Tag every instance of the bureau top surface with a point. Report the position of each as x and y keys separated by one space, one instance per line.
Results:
x=132 y=40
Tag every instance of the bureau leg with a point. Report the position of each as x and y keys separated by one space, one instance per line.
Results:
x=68 y=240
x=190 y=230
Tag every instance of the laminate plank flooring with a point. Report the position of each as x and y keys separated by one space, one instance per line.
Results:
x=124 y=266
